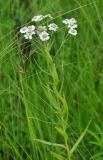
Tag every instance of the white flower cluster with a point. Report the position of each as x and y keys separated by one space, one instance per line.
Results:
x=43 y=31
x=71 y=25
x=41 y=17
x=28 y=31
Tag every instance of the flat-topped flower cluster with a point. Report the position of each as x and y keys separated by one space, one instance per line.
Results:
x=71 y=25
x=43 y=31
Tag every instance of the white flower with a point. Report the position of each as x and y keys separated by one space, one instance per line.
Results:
x=48 y=16
x=44 y=36
x=73 y=20
x=41 y=29
x=37 y=18
x=24 y=29
x=65 y=21
x=72 y=32
x=53 y=27
x=28 y=36
x=68 y=21
x=31 y=28
x=71 y=23
x=29 y=31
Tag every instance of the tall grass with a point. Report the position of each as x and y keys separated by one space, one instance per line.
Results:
x=51 y=98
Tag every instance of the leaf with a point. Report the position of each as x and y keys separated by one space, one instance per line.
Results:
x=51 y=98
x=98 y=155
x=79 y=139
x=96 y=143
x=57 y=156
x=97 y=140
x=62 y=132
x=94 y=135
x=63 y=101
x=49 y=143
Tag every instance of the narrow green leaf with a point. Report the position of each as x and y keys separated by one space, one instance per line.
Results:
x=79 y=139
x=62 y=132
x=49 y=143
x=57 y=156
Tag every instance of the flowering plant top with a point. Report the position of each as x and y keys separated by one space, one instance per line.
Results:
x=43 y=32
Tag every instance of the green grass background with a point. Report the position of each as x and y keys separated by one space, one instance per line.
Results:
x=51 y=99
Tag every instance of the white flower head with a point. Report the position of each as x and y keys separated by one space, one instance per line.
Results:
x=73 y=20
x=37 y=18
x=53 y=27
x=29 y=31
x=23 y=30
x=72 y=32
x=65 y=21
x=72 y=26
x=72 y=23
x=31 y=28
x=48 y=16
x=28 y=36
x=41 y=29
x=44 y=36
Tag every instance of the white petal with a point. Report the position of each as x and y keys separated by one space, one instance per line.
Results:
x=70 y=22
x=44 y=36
x=48 y=16
x=73 y=20
x=24 y=30
x=31 y=28
x=72 y=26
x=37 y=18
x=28 y=35
x=53 y=27
x=65 y=21
x=72 y=32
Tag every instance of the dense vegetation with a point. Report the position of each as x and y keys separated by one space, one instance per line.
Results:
x=51 y=94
